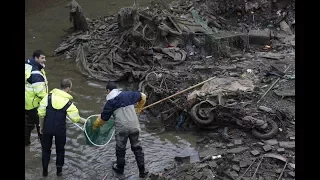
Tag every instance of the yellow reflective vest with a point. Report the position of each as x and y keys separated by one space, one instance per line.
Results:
x=36 y=84
x=59 y=99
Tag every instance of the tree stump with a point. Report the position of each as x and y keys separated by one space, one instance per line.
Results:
x=77 y=17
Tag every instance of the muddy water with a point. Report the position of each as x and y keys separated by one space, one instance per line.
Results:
x=44 y=30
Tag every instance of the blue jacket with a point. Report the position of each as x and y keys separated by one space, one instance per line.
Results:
x=124 y=99
x=122 y=107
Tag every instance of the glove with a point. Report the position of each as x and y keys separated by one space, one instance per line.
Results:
x=141 y=103
x=98 y=123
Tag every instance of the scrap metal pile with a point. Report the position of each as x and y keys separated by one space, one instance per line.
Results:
x=132 y=43
x=137 y=41
x=163 y=47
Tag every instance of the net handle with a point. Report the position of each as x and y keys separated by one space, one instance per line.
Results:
x=82 y=128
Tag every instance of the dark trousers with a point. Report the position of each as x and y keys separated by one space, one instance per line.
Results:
x=60 y=141
x=31 y=121
x=121 y=142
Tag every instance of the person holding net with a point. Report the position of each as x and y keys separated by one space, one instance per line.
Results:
x=121 y=104
x=52 y=111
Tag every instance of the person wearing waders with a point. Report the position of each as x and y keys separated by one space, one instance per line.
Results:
x=52 y=111
x=121 y=104
x=36 y=87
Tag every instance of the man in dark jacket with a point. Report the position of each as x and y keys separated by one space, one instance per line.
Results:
x=52 y=111
x=121 y=106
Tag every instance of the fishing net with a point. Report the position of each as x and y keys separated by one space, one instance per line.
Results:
x=101 y=136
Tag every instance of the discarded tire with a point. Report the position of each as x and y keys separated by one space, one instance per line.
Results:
x=274 y=130
x=201 y=120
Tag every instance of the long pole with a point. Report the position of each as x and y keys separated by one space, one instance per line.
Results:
x=177 y=93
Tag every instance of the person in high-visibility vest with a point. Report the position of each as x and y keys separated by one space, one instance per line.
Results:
x=120 y=105
x=36 y=87
x=52 y=111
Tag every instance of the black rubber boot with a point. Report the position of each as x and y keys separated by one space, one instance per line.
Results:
x=59 y=171
x=117 y=169
x=142 y=172
x=45 y=172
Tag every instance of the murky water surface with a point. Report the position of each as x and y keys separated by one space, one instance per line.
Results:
x=44 y=30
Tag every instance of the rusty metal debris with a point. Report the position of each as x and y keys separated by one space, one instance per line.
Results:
x=247 y=169
x=192 y=87
x=269 y=155
x=169 y=47
x=273 y=84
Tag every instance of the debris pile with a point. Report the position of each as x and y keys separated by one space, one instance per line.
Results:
x=140 y=40
x=170 y=47
x=248 y=46
x=133 y=43
x=237 y=159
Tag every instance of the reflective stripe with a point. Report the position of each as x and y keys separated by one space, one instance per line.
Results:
x=39 y=72
x=73 y=115
x=28 y=89
x=42 y=107
x=36 y=72
x=35 y=84
x=39 y=88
